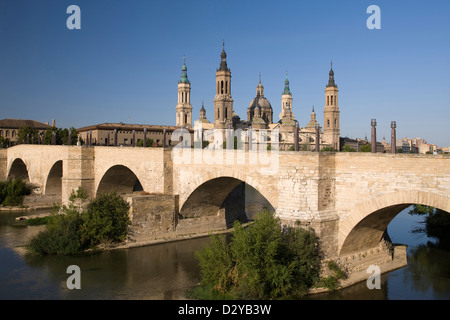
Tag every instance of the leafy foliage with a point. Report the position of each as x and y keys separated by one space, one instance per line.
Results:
x=13 y=191
x=347 y=148
x=106 y=219
x=148 y=143
x=61 y=236
x=27 y=133
x=61 y=135
x=261 y=261
x=70 y=231
x=365 y=148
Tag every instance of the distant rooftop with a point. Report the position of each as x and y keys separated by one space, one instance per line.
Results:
x=17 y=123
x=128 y=127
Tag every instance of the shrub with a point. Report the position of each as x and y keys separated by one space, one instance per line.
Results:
x=12 y=192
x=106 y=219
x=61 y=236
x=262 y=261
x=69 y=231
x=365 y=148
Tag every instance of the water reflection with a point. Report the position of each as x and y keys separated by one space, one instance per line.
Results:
x=428 y=272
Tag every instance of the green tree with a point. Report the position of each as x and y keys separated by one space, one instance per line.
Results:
x=347 y=148
x=12 y=192
x=365 y=148
x=106 y=219
x=262 y=261
x=62 y=136
x=27 y=133
x=49 y=134
x=61 y=236
x=148 y=143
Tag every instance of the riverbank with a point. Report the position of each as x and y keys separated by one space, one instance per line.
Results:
x=35 y=208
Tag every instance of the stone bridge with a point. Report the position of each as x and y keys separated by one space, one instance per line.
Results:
x=347 y=198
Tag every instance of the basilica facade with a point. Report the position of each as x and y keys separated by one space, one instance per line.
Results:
x=260 y=114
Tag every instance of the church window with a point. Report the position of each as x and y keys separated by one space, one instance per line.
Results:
x=221 y=87
x=328 y=123
x=185 y=118
x=335 y=123
x=328 y=100
x=226 y=86
x=331 y=100
x=226 y=112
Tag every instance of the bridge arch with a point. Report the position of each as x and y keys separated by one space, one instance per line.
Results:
x=364 y=228
x=53 y=185
x=223 y=193
x=18 y=169
x=120 y=179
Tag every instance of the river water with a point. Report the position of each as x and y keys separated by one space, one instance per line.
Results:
x=166 y=271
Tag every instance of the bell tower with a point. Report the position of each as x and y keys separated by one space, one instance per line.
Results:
x=184 y=107
x=223 y=103
x=286 y=103
x=331 y=129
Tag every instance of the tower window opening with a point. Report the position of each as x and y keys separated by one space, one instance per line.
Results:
x=328 y=100
x=226 y=86
x=328 y=123
x=331 y=100
x=221 y=87
x=335 y=123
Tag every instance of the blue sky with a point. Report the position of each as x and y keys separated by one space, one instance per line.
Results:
x=124 y=63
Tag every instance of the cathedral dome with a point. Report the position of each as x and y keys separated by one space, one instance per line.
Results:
x=262 y=103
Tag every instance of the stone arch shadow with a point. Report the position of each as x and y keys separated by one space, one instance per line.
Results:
x=368 y=222
x=226 y=197
x=119 y=179
x=53 y=184
x=19 y=170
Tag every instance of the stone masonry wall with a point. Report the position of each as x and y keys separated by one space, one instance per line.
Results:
x=153 y=216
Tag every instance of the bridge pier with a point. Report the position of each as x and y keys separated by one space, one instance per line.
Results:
x=3 y=163
x=78 y=171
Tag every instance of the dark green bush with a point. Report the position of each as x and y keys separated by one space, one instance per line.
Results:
x=61 y=236
x=262 y=261
x=69 y=231
x=13 y=191
x=106 y=219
